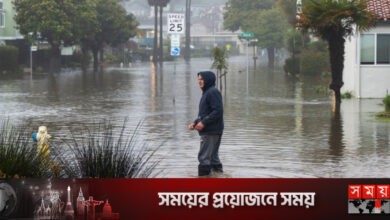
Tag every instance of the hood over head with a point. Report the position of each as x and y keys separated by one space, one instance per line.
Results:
x=208 y=78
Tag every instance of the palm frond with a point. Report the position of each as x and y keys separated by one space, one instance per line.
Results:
x=326 y=16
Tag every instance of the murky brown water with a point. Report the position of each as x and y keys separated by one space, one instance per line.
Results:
x=281 y=128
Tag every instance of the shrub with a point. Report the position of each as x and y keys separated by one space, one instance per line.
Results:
x=77 y=59
x=314 y=62
x=386 y=101
x=8 y=59
x=18 y=155
x=346 y=95
x=102 y=154
x=292 y=67
x=322 y=90
x=320 y=46
x=113 y=59
x=42 y=58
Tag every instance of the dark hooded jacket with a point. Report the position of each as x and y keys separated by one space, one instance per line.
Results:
x=210 y=106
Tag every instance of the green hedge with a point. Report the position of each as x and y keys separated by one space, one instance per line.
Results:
x=8 y=59
x=292 y=66
x=386 y=101
x=314 y=62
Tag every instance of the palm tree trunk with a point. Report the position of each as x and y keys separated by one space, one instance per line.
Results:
x=224 y=77
x=155 y=34
x=217 y=81
x=335 y=141
x=220 y=80
x=161 y=36
x=336 y=53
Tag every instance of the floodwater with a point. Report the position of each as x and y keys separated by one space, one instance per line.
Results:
x=278 y=126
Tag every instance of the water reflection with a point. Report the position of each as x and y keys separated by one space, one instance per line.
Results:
x=336 y=145
x=298 y=107
x=281 y=128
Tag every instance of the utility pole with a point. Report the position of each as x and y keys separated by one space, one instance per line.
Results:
x=254 y=55
x=160 y=58
x=187 y=51
x=299 y=11
x=247 y=62
x=155 y=33
x=31 y=70
x=247 y=67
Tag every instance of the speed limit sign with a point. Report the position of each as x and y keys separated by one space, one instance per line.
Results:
x=175 y=23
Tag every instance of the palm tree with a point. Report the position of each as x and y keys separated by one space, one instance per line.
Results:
x=220 y=63
x=333 y=21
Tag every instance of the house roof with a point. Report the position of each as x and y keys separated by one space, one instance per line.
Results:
x=380 y=8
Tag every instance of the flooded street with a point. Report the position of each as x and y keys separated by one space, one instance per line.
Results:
x=280 y=128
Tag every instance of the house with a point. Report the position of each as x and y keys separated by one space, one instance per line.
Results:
x=8 y=29
x=367 y=56
x=143 y=13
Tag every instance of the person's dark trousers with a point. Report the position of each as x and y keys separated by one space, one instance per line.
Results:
x=208 y=154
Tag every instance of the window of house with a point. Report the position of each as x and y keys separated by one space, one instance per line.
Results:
x=367 y=49
x=383 y=49
x=375 y=49
x=2 y=15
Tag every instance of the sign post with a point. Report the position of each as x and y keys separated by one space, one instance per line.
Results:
x=176 y=27
x=175 y=45
x=247 y=36
x=33 y=48
x=176 y=23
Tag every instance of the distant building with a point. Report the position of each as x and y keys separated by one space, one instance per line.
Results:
x=145 y=16
x=206 y=22
x=8 y=25
x=367 y=56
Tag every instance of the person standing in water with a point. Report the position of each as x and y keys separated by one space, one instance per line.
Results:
x=209 y=124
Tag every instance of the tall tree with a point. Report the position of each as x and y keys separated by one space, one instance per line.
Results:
x=289 y=9
x=86 y=27
x=116 y=27
x=238 y=12
x=52 y=19
x=258 y=17
x=269 y=27
x=333 y=21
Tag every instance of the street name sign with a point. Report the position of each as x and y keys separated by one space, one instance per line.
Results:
x=176 y=23
x=247 y=35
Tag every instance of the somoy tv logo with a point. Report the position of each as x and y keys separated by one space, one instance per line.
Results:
x=368 y=199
